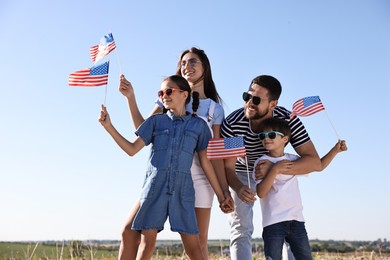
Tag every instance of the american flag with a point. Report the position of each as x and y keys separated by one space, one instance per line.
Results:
x=106 y=45
x=307 y=106
x=222 y=148
x=94 y=76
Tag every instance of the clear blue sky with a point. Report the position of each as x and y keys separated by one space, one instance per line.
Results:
x=63 y=177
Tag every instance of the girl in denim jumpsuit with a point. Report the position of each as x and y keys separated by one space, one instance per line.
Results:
x=195 y=67
x=168 y=188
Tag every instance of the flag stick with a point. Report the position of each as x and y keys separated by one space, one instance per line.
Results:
x=117 y=55
x=334 y=129
x=247 y=172
x=106 y=88
x=105 y=95
x=119 y=62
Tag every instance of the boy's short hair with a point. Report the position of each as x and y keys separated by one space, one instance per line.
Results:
x=277 y=124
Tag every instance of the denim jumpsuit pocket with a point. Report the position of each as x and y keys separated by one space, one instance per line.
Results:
x=160 y=150
x=161 y=139
x=190 y=141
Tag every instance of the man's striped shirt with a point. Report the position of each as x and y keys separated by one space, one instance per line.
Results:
x=237 y=124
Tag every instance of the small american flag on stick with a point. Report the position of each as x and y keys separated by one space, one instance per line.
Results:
x=307 y=106
x=90 y=77
x=223 y=148
x=106 y=45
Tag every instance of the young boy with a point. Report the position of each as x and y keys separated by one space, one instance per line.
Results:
x=281 y=204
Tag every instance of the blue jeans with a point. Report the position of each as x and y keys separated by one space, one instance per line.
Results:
x=241 y=224
x=294 y=232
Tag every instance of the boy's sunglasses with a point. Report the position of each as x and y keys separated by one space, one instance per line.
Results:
x=271 y=135
x=246 y=97
x=167 y=91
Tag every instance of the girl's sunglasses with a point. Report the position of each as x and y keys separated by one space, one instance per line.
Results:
x=167 y=91
x=271 y=135
x=246 y=97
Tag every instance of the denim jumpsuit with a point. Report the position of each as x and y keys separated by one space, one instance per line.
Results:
x=168 y=188
x=213 y=114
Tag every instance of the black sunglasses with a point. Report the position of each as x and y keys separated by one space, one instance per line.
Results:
x=167 y=91
x=271 y=135
x=246 y=97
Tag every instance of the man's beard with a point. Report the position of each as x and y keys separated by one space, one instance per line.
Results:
x=257 y=115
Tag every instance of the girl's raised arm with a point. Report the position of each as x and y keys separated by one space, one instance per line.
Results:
x=127 y=146
x=127 y=90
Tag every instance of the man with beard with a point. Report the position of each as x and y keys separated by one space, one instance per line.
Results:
x=260 y=103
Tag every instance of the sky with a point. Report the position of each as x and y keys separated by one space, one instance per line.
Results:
x=63 y=177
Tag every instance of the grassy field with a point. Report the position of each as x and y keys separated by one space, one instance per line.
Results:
x=17 y=251
x=165 y=250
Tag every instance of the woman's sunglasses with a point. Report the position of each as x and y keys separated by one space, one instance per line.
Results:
x=167 y=91
x=271 y=135
x=191 y=62
x=246 y=97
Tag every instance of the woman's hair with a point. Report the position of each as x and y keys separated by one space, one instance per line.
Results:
x=195 y=102
x=277 y=124
x=209 y=86
x=182 y=84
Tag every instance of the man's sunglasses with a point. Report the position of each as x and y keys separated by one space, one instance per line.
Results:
x=271 y=135
x=167 y=91
x=255 y=100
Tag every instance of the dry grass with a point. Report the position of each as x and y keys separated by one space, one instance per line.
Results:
x=61 y=251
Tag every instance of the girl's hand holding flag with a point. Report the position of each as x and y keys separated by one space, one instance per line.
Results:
x=125 y=87
x=104 y=118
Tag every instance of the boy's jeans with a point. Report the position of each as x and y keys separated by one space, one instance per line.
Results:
x=294 y=232
x=241 y=224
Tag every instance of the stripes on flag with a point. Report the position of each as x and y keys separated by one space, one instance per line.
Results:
x=307 y=106
x=223 y=148
x=91 y=77
x=106 y=45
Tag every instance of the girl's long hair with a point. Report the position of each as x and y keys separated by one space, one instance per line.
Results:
x=209 y=86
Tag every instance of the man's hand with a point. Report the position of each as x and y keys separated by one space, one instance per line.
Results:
x=246 y=194
x=283 y=166
x=262 y=169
